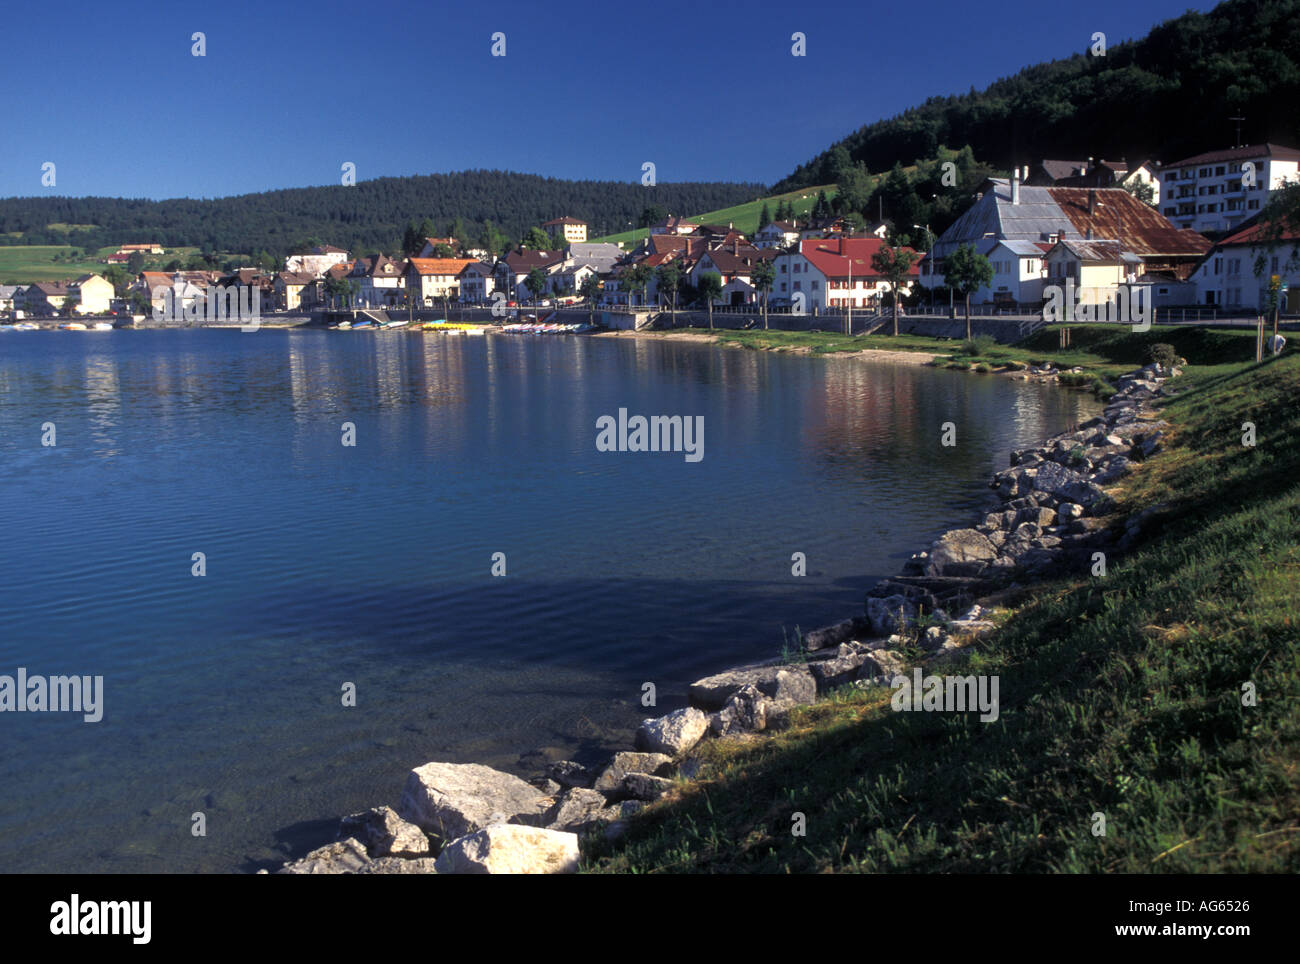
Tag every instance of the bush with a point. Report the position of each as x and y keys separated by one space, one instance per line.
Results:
x=960 y=366
x=1163 y=354
x=1016 y=366
x=979 y=345
x=982 y=368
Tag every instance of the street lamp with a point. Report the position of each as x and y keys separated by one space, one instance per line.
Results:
x=929 y=249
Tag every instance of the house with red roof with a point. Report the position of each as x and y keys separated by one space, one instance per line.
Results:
x=834 y=273
x=1237 y=271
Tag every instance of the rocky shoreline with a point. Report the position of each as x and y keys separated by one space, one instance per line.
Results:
x=1051 y=516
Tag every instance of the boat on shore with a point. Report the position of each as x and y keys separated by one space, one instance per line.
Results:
x=72 y=326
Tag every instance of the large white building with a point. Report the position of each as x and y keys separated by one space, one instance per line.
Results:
x=833 y=273
x=315 y=261
x=1228 y=277
x=1216 y=191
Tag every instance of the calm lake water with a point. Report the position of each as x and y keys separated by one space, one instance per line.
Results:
x=371 y=564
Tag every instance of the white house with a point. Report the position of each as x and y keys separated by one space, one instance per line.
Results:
x=833 y=273
x=777 y=234
x=431 y=279
x=315 y=261
x=477 y=283
x=1217 y=191
x=1228 y=275
x=381 y=281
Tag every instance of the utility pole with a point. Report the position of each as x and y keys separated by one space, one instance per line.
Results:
x=1237 y=142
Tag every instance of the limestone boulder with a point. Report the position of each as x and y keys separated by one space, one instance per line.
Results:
x=384 y=833
x=455 y=799
x=510 y=849
x=673 y=734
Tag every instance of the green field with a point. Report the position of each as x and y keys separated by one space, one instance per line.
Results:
x=1124 y=696
x=25 y=264
x=743 y=216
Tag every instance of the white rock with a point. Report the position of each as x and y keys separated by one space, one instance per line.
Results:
x=673 y=734
x=455 y=799
x=510 y=849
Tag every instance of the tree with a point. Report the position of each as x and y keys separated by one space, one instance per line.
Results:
x=822 y=209
x=443 y=250
x=535 y=283
x=966 y=271
x=638 y=276
x=70 y=305
x=1142 y=190
x=411 y=240
x=893 y=264
x=118 y=277
x=764 y=217
x=853 y=190
x=763 y=277
x=710 y=289
x=590 y=290
x=669 y=278
x=535 y=240
x=135 y=263
x=652 y=215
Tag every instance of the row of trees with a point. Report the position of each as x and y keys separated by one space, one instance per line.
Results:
x=1142 y=100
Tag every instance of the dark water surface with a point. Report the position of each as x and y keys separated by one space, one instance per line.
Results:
x=371 y=564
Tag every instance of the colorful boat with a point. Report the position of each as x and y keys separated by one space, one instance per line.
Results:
x=72 y=326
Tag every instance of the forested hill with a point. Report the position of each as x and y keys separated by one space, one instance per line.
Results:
x=368 y=215
x=1167 y=96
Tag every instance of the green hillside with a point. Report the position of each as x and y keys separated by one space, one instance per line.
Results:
x=743 y=216
x=1121 y=697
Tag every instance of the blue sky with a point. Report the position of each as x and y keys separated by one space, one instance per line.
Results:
x=288 y=92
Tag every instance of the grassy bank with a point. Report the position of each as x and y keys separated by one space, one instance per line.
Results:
x=743 y=216
x=1120 y=695
x=1106 y=350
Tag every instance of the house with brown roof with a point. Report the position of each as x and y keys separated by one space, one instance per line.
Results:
x=674 y=225
x=382 y=281
x=566 y=229
x=514 y=268
x=734 y=264
x=43 y=299
x=432 y=279
x=1010 y=211
x=93 y=294
x=777 y=234
x=1221 y=190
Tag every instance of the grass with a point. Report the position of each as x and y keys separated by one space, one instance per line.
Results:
x=1119 y=696
x=1102 y=351
x=28 y=263
x=743 y=216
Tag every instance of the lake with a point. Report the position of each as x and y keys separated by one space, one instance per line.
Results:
x=370 y=564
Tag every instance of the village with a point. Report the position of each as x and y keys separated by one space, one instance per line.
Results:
x=1185 y=235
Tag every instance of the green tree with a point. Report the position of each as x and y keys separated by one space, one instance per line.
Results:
x=135 y=263
x=710 y=290
x=763 y=277
x=669 y=279
x=535 y=283
x=764 y=217
x=638 y=276
x=893 y=264
x=536 y=240
x=652 y=215
x=412 y=242
x=822 y=209
x=966 y=272
x=590 y=290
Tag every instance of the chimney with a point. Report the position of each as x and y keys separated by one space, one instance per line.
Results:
x=1092 y=202
x=1015 y=185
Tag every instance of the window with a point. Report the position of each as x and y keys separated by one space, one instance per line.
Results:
x=783 y=267
x=797 y=284
x=816 y=285
x=1219 y=169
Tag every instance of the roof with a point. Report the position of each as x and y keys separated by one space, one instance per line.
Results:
x=564 y=220
x=838 y=257
x=153 y=278
x=1255 y=233
x=50 y=288
x=1098 y=252
x=521 y=262
x=785 y=227
x=1068 y=213
x=482 y=266
x=1059 y=169
x=318 y=250
x=296 y=278
x=1241 y=154
x=444 y=266
x=1118 y=214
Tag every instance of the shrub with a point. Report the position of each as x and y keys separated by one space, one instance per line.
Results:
x=1163 y=354
x=982 y=368
x=1016 y=366
x=979 y=345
